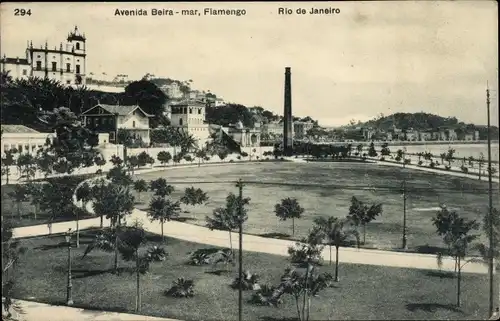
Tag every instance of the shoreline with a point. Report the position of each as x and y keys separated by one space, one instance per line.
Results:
x=413 y=143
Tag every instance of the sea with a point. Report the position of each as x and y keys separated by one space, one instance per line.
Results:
x=461 y=150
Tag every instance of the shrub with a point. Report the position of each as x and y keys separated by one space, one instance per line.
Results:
x=398 y=158
x=464 y=169
x=420 y=163
x=257 y=157
x=231 y=160
x=182 y=288
x=302 y=253
x=432 y=165
x=250 y=281
x=407 y=161
x=281 y=158
x=267 y=295
x=382 y=158
x=244 y=154
x=447 y=167
x=238 y=157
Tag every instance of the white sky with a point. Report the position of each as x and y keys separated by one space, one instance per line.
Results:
x=373 y=57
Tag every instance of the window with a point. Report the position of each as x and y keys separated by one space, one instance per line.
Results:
x=20 y=148
x=54 y=66
x=199 y=111
x=89 y=120
x=133 y=124
x=25 y=72
x=68 y=82
x=68 y=67
x=38 y=65
x=190 y=110
x=77 y=46
x=111 y=136
x=77 y=69
x=38 y=56
x=6 y=147
x=180 y=121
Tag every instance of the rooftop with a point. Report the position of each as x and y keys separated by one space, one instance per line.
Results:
x=20 y=61
x=18 y=129
x=118 y=109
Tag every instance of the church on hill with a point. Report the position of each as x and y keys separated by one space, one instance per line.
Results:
x=65 y=63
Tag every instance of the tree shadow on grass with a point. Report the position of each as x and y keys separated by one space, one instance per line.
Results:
x=276 y=235
x=183 y=219
x=432 y=307
x=61 y=245
x=92 y=309
x=441 y=274
x=219 y=272
x=267 y=318
x=428 y=249
x=83 y=273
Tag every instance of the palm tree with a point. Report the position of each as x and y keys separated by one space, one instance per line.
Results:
x=187 y=142
x=336 y=232
x=163 y=209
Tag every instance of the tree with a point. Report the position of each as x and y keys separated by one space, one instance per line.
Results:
x=361 y=214
x=8 y=161
x=132 y=162
x=200 y=154
x=36 y=194
x=140 y=186
x=11 y=252
x=455 y=231
x=228 y=218
x=26 y=164
x=449 y=156
x=188 y=158
x=194 y=196
x=289 y=208
x=100 y=161
x=385 y=151
x=480 y=163
x=162 y=209
x=336 y=232
x=161 y=188
x=19 y=195
x=118 y=175
x=149 y=97
x=164 y=157
x=46 y=160
x=98 y=191
x=359 y=148
x=116 y=203
x=371 y=150
x=116 y=160
x=83 y=193
x=133 y=238
x=222 y=154
x=303 y=287
x=399 y=155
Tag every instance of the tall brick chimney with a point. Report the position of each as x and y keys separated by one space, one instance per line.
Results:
x=287 y=115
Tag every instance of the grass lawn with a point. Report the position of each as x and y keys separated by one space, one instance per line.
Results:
x=364 y=292
x=426 y=192
x=26 y=215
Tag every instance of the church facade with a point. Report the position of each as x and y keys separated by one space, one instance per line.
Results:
x=64 y=63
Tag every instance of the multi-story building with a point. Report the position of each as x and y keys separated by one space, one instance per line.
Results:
x=300 y=128
x=189 y=116
x=66 y=63
x=113 y=118
x=274 y=128
x=425 y=136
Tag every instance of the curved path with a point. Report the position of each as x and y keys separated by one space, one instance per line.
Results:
x=203 y=235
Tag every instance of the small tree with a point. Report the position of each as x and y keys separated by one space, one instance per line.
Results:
x=19 y=195
x=164 y=157
x=449 y=156
x=161 y=188
x=162 y=209
x=361 y=214
x=194 y=196
x=26 y=164
x=336 y=232
x=456 y=235
x=140 y=186
x=36 y=194
x=371 y=150
x=228 y=218
x=116 y=161
x=118 y=175
x=133 y=163
x=8 y=161
x=200 y=154
x=133 y=238
x=84 y=194
x=100 y=162
x=222 y=154
x=188 y=158
x=399 y=155
x=385 y=151
x=289 y=208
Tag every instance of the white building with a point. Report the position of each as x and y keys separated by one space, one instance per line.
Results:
x=23 y=139
x=300 y=128
x=64 y=63
x=189 y=116
x=112 y=118
x=173 y=91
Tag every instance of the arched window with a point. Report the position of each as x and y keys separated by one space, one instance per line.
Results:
x=77 y=46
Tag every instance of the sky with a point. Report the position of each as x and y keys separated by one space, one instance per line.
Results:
x=371 y=58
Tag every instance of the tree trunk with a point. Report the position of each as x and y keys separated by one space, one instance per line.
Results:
x=330 y=246
x=336 y=264
x=459 y=277
x=77 y=230
x=138 y=294
x=231 y=243
x=162 y=235
x=116 y=251
x=102 y=221
x=298 y=308
x=36 y=210
x=364 y=234
x=293 y=226
x=19 y=209
x=306 y=292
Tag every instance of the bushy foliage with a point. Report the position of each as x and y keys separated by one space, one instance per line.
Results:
x=249 y=281
x=182 y=288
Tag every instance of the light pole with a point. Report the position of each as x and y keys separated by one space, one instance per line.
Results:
x=240 y=256
x=404 y=245
x=69 y=294
x=490 y=208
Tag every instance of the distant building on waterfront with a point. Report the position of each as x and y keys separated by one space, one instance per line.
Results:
x=300 y=128
x=64 y=63
x=189 y=116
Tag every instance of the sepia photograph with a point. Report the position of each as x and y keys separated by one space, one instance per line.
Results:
x=250 y=161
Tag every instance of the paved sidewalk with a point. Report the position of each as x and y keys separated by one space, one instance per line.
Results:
x=34 y=311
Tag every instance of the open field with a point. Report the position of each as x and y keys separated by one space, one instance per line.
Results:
x=332 y=186
x=364 y=292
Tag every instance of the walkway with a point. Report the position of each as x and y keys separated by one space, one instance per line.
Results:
x=34 y=311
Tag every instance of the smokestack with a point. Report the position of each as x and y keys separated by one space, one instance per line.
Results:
x=287 y=115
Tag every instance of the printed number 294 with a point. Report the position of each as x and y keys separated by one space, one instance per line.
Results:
x=22 y=12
